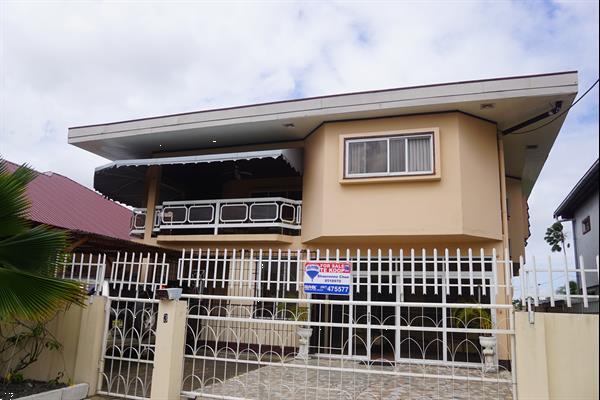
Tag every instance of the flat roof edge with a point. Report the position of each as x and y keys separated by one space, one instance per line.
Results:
x=327 y=97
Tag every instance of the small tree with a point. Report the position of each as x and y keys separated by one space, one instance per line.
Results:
x=573 y=289
x=556 y=237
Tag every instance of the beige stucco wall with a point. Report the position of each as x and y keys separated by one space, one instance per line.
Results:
x=479 y=178
x=66 y=328
x=79 y=330
x=557 y=356
x=463 y=205
x=167 y=373
x=518 y=220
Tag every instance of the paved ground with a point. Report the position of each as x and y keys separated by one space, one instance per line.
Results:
x=321 y=380
x=336 y=379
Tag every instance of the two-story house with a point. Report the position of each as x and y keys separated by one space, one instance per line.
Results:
x=581 y=208
x=414 y=170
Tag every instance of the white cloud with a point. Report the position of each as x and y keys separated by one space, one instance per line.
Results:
x=70 y=63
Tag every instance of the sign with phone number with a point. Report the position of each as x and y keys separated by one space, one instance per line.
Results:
x=327 y=278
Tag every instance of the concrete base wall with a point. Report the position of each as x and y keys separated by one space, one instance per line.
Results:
x=557 y=356
x=79 y=330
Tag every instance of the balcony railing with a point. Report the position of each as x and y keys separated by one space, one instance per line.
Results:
x=138 y=220
x=264 y=212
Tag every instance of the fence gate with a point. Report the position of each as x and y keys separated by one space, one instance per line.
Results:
x=128 y=346
x=409 y=328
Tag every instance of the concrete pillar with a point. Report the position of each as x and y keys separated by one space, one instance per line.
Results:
x=89 y=346
x=170 y=341
x=531 y=359
x=152 y=193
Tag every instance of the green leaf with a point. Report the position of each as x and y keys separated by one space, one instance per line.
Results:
x=34 y=250
x=34 y=297
x=13 y=199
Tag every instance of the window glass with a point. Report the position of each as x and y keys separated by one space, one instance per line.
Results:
x=586 y=225
x=394 y=155
x=397 y=155
x=419 y=154
x=376 y=156
x=356 y=158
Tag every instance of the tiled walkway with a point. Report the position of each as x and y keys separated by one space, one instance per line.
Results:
x=336 y=379
x=288 y=382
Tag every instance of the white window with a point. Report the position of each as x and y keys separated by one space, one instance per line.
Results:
x=389 y=156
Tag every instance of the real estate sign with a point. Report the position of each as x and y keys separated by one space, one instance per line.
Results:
x=327 y=277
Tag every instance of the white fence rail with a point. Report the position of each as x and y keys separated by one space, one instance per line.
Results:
x=89 y=269
x=550 y=282
x=465 y=273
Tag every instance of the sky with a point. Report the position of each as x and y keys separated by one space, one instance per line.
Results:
x=74 y=63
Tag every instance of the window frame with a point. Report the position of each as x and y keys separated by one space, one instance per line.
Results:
x=387 y=138
x=586 y=225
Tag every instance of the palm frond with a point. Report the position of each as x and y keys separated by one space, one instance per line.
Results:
x=34 y=297
x=13 y=198
x=34 y=250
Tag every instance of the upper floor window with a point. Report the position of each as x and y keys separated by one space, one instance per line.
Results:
x=586 y=225
x=389 y=156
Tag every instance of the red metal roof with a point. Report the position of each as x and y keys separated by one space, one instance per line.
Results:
x=59 y=201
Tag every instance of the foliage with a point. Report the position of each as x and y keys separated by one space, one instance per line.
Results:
x=517 y=304
x=21 y=345
x=472 y=317
x=573 y=289
x=556 y=237
x=293 y=310
x=29 y=256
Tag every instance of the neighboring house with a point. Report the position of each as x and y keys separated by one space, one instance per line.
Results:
x=94 y=223
x=446 y=166
x=581 y=208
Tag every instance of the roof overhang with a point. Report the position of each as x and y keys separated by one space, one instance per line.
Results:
x=292 y=156
x=506 y=102
x=586 y=187
x=124 y=180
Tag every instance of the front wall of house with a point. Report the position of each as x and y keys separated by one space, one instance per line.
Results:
x=480 y=178
x=462 y=197
x=518 y=227
x=586 y=244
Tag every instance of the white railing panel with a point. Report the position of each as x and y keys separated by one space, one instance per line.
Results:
x=265 y=212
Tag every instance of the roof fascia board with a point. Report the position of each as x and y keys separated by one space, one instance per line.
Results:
x=352 y=103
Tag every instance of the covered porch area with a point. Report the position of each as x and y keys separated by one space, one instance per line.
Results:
x=211 y=194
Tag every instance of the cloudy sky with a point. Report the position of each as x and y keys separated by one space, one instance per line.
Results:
x=72 y=63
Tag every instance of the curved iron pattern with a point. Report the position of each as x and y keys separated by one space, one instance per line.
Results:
x=130 y=335
x=129 y=348
x=238 y=359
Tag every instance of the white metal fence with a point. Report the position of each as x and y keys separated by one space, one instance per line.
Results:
x=410 y=326
x=86 y=268
x=418 y=324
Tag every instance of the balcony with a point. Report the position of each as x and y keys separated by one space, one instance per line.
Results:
x=223 y=216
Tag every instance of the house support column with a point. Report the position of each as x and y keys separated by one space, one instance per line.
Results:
x=152 y=193
x=504 y=296
x=170 y=341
